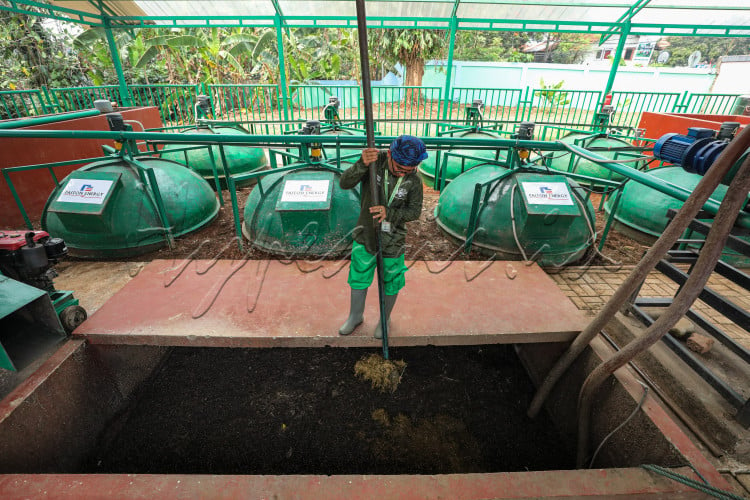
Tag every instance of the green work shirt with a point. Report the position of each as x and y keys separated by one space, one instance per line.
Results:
x=406 y=205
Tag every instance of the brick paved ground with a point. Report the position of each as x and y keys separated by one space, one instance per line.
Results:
x=589 y=288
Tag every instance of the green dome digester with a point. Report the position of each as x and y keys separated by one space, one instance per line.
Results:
x=107 y=209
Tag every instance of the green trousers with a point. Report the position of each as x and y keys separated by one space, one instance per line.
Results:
x=362 y=270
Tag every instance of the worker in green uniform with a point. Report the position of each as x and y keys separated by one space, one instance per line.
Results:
x=400 y=190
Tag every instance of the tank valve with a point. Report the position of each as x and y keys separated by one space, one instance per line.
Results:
x=474 y=114
x=331 y=111
x=116 y=124
x=204 y=106
x=312 y=127
x=524 y=132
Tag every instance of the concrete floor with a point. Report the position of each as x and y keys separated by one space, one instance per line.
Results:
x=95 y=282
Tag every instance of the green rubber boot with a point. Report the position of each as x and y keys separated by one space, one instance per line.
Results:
x=390 y=301
x=356 y=312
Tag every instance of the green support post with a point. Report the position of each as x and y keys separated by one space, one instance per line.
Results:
x=282 y=68
x=449 y=72
x=124 y=91
x=624 y=32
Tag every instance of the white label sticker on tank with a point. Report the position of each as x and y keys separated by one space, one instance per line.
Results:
x=92 y=191
x=547 y=193
x=301 y=190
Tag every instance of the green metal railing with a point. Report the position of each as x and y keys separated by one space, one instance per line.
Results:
x=405 y=110
x=307 y=101
x=248 y=103
x=397 y=110
x=570 y=108
x=79 y=98
x=709 y=104
x=176 y=103
x=22 y=103
x=630 y=105
x=500 y=105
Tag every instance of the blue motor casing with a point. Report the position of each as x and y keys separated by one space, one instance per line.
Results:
x=695 y=152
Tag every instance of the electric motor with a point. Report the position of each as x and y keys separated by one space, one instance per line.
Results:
x=696 y=151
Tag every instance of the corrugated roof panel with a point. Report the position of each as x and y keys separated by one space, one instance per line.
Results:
x=739 y=15
x=205 y=8
x=399 y=10
x=685 y=14
x=126 y=8
x=586 y=13
x=311 y=9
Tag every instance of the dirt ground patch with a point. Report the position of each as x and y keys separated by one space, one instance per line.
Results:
x=424 y=239
x=302 y=411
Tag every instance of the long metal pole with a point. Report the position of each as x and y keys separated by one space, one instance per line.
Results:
x=364 y=60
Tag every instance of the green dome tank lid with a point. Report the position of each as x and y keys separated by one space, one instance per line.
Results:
x=453 y=165
x=525 y=215
x=239 y=159
x=109 y=208
x=301 y=213
x=577 y=165
x=642 y=212
x=644 y=209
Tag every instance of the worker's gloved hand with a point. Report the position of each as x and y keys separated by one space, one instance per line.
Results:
x=378 y=212
x=369 y=155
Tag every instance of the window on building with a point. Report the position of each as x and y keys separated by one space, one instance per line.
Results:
x=629 y=54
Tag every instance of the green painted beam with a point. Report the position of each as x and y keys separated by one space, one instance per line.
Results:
x=115 y=55
x=447 y=102
x=103 y=9
x=455 y=9
x=536 y=25
x=626 y=17
x=277 y=8
x=624 y=32
x=282 y=68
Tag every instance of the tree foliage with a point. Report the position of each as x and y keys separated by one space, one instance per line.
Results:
x=566 y=48
x=34 y=55
x=411 y=48
x=492 y=46
x=328 y=54
x=711 y=48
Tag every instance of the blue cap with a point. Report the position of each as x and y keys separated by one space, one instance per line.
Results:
x=408 y=151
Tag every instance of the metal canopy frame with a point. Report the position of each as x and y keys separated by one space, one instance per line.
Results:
x=603 y=17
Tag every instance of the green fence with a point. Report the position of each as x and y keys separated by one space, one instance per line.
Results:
x=80 y=98
x=629 y=105
x=709 y=104
x=405 y=110
x=256 y=105
x=22 y=103
x=568 y=108
x=176 y=103
x=396 y=110
x=503 y=106
x=307 y=101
